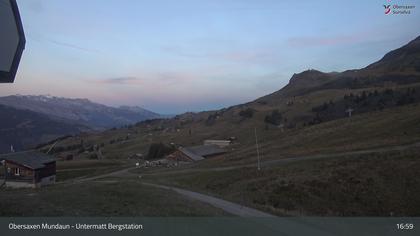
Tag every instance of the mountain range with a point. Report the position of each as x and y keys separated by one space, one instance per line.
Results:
x=30 y=120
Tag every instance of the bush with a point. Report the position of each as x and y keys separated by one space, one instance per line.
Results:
x=93 y=156
x=274 y=118
x=211 y=119
x=247 y=113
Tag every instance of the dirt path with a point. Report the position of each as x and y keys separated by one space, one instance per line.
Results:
x=126 y=171
x=230 y=207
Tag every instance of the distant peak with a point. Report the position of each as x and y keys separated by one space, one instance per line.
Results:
x=306 y=75
x=309 y=72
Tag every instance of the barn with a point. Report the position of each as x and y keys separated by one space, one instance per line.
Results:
x=28 y=169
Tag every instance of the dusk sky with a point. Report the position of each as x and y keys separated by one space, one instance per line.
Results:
x=185 y=55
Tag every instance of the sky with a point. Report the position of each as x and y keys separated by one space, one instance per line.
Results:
x=193 y=55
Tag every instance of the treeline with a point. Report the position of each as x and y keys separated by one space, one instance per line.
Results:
x=365 y=101
x=159 y=150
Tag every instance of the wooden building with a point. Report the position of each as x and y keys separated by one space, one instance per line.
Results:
x=195 y=153
x=28 y=169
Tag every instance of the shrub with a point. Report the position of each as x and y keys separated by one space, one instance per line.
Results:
x=274 y=118
x=247 y=113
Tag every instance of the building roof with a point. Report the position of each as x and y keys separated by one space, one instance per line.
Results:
x=217 y=141
x=190 y=154
x=31 y=159
x=206 y=150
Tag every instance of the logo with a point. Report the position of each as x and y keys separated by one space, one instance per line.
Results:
x=387 y=9
x=398 y=9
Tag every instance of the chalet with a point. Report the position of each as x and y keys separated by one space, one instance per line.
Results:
x=28 y=169
x=195 y=153
x=220 y=143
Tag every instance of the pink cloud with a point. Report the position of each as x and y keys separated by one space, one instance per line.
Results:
x=120 y=80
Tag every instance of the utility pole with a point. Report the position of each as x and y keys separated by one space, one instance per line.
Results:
x=258 y=151
x=3 y=163
x=349 y=111
x=52 y=146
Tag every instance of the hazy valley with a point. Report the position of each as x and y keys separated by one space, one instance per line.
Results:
x=37 y=119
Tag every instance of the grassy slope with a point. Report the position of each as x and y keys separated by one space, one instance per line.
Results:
x=127 y=198
x=388 y=127
x=371 y=130
x=363 y=185
x=67 y=170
